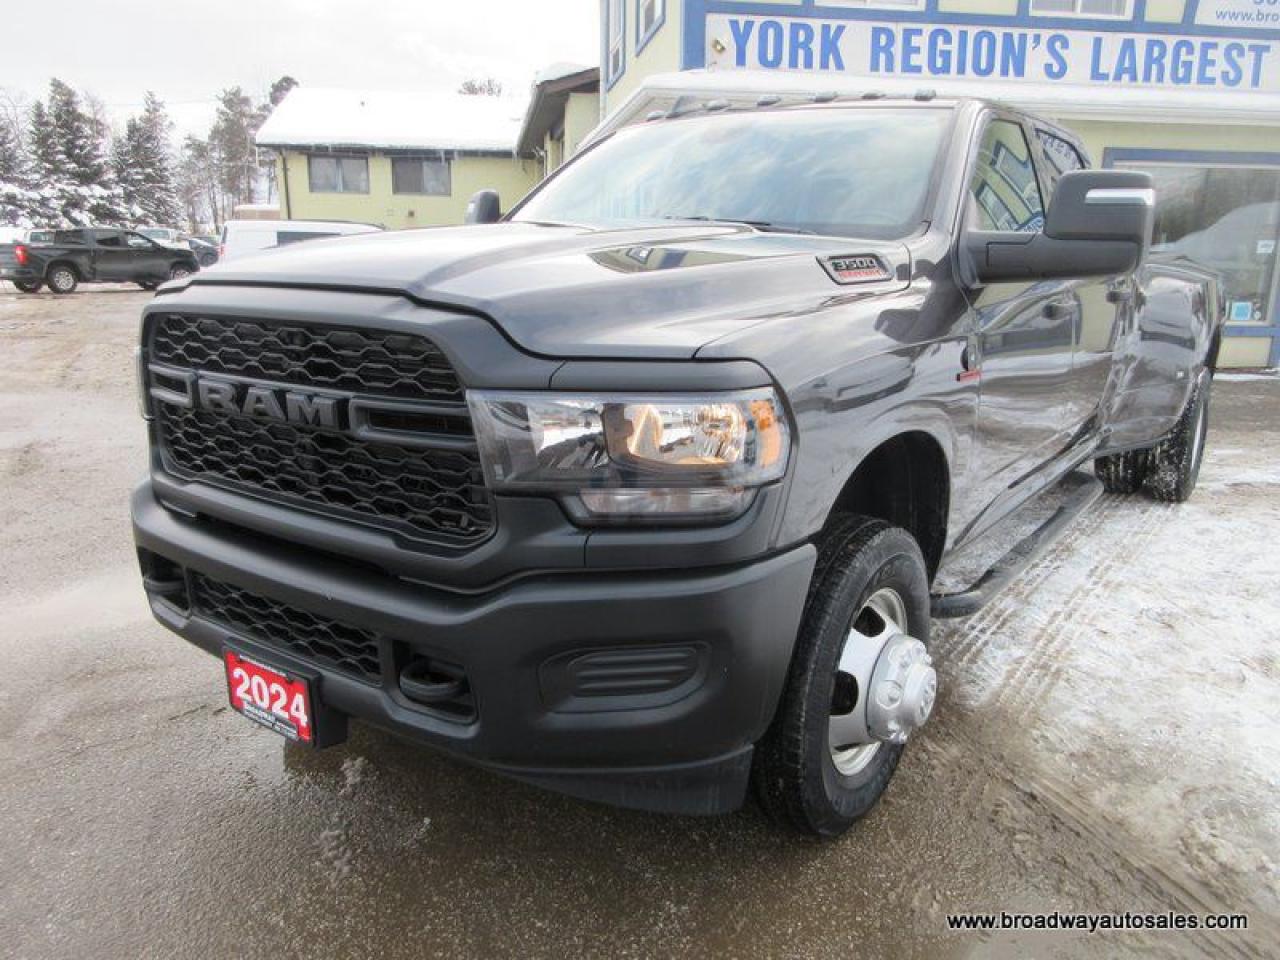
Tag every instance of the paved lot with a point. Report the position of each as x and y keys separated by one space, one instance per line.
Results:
x=1106 y=741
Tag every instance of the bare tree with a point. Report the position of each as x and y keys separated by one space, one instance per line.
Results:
x=484 y=87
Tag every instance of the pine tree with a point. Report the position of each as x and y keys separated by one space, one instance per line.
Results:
x=42 y=202
x=79 y=147
x=126 y=162
x=158 y=195
x=16 y=199
x=13 y=161
x=231 y=142
x=43 y=145
x=86 y=191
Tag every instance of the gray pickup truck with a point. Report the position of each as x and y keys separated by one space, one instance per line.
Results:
x=639 y=494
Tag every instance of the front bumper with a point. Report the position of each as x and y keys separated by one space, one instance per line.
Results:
x=522 y=647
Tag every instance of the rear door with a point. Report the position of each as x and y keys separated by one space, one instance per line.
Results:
x=1100 y=304
x=1024 y=331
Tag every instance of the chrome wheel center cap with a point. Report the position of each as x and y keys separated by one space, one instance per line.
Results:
x=904 y=686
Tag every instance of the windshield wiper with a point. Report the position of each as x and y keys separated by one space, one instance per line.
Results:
x=763 y=225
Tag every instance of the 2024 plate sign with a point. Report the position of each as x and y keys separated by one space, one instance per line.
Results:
x=265 y=695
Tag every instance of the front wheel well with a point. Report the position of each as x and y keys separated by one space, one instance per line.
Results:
x=906 y=482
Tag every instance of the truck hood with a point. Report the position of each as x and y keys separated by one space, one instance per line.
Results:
x=569 y=291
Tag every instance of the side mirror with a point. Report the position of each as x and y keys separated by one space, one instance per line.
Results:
x=1099 y=224
x=483 y=207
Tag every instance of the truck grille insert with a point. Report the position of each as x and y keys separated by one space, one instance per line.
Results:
x=274 y=624
x=419 y=476
x=360 y=361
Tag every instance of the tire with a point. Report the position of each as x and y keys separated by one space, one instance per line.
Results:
x=1123 y=472
x=794 y=775
x=148 y=284
x=1175 y=461
x=62 y=279
x=207 y=260
x=180 y=270
x=25 y=287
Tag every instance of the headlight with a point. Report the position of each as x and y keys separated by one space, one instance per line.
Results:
x=658 y=456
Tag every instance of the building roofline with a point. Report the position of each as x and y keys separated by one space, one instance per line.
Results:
x=547 y=103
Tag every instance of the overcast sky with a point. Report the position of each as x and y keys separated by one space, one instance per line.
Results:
x=187 y=50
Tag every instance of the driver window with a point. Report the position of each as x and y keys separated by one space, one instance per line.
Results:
x=106 y=239
x=1004 y=194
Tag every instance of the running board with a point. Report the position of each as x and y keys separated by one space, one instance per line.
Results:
x=1029 y=549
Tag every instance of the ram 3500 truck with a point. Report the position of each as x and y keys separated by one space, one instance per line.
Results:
x=639 y=494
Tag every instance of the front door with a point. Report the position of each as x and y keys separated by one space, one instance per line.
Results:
x=111 y=256
x=1024 y=333
x=147 y=259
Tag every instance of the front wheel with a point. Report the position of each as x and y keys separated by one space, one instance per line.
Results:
x=26 y=287
x=62 y=279
x=860 y=681
x=179 y=271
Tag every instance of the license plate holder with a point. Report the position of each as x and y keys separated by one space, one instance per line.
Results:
x=273 y=696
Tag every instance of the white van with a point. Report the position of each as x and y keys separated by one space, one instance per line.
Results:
x=241 y=237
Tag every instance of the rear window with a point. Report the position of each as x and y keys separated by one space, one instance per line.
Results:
x=68 y=236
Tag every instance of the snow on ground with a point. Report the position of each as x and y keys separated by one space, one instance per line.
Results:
x=1142 y=655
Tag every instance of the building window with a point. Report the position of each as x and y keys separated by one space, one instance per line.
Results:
x=615 y=33
x=338 y=174
x=421 y=175
x=1226 y=218
x=1098 y=9
x=650 y=15
x=875 y=4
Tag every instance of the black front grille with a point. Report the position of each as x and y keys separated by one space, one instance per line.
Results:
x=435 y=493
x=427 y=493
x=346 y=648
x=376 y=362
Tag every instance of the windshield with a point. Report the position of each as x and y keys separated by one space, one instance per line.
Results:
x=842 y=172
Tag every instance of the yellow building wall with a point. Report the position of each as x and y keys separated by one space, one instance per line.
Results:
x=1165 y=11
x=661 y=54
x=581 y=114
x=1098 y=135
x=511 y=177
x=1002 y=8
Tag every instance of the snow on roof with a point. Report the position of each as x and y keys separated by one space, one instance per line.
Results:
x=558 y=71
x=319 y=116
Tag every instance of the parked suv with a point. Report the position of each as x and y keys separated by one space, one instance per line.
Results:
x=639 y=494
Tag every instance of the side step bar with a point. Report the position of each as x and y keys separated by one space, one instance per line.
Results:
x=1029 y=549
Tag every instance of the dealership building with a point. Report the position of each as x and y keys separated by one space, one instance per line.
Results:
x=1188 y=91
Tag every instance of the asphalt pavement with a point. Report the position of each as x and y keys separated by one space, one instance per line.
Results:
x=1105 y=741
